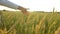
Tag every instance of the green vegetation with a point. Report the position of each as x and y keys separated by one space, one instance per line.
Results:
x=35 y=23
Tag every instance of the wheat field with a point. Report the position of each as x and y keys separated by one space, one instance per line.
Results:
x=35 y=23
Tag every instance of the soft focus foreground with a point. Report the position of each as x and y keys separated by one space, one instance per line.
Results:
x=35 y=23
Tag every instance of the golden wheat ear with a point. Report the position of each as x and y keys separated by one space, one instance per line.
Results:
x=26 y=13
x=57 y=31
x=24 y=10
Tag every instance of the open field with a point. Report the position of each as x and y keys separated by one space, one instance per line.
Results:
x=35 y=23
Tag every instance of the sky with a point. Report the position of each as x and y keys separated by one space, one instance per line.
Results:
x=37 y=5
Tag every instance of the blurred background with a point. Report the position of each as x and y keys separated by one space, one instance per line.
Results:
x=36 y=5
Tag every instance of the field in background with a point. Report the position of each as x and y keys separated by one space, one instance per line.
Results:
x=35 y=23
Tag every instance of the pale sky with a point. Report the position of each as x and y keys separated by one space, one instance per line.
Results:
x=38 y=5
